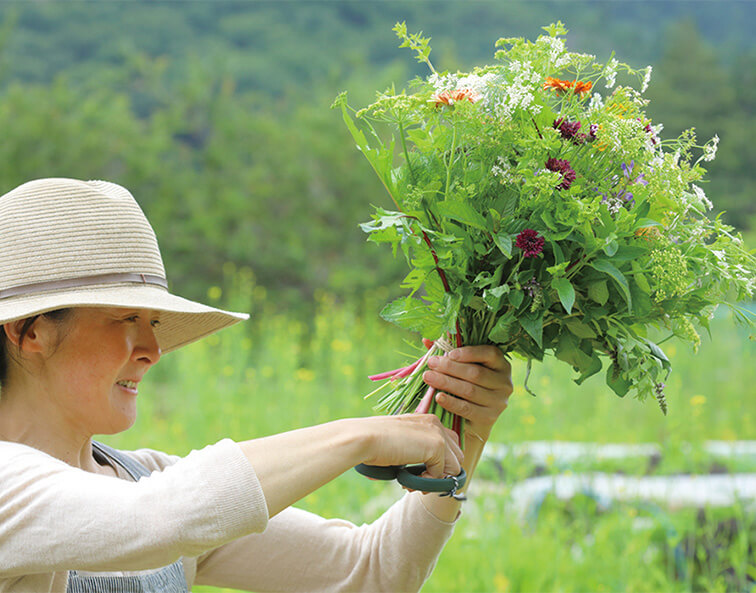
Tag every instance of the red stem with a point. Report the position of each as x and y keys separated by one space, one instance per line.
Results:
x=456 y=421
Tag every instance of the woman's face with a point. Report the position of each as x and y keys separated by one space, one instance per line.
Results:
x=96 y=367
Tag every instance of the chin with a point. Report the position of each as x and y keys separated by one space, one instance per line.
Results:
x=119 y=423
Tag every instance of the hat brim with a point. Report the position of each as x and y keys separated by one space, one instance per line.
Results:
x=181 y=321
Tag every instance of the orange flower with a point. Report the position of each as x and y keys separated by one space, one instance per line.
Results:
x=450 y=97
x=563 y=86
x=560 y=85
x=648 y=232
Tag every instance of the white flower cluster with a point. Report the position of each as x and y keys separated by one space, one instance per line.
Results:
x=479 y=84
x=701 y=197
x=518 y=93
x=626 y=135
x=596 y=102
x=503 y=170
x=646 y=79
x=447 y=82
x=710 y=150
x=614 y=204
x=610 y=73
x=557 y=56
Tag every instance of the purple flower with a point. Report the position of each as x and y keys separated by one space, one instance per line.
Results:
x=628 y=171
x=562 y=166
x=530 y=243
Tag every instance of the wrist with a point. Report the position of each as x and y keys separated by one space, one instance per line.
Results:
x=355 y=438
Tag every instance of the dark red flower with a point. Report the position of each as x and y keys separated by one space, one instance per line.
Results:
x=530 y=243
x=562 y=166
x=569 y=129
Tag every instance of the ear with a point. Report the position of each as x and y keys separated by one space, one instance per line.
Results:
x=34 y=339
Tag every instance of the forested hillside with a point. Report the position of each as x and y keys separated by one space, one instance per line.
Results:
x=216 y=114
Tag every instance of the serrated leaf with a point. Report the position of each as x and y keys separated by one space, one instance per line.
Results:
x=504 y=243
x=533 y=324
x=566 y=293
x=462 y=212
x=492 y=296
x=502 y=331
x=515 y=298
x=606 y=267
x=616 y=381
x=413 y=314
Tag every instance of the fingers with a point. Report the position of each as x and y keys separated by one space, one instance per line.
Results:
x=488 y=356
x=473 y=413
x=486 y=368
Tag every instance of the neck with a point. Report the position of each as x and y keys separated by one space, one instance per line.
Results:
x=28 y=417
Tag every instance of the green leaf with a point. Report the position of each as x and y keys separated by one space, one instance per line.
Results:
x=598 y=292
x=515 y=298
x=413 y=314
x=568 y=350
x=593 y=368
x=533 y=324
x=462 y=212
x=580 y=329
x=616 y=381
x=548 y=220
x=642 y=223
x=502 y=331
x=629 y=253
x=504 y=243
x=492 y=296
x=566 y=293
x=611 y=247
x=659 y=353
x=607 y=268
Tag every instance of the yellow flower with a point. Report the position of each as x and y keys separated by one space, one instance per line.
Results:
x=697 y=400
x=341 y=345
x=501 y=583
x=529 y=419
x=305 y=375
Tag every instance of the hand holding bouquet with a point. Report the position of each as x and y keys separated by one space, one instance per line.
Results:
x=541 y=210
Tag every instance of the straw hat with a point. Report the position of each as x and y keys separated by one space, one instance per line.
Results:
x=70 y=243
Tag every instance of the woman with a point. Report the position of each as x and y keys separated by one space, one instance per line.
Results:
x=86 y=312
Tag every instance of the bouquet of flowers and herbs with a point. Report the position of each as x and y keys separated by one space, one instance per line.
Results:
x=541 y=210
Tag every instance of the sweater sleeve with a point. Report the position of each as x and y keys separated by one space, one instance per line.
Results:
x=57 y=517
x=300 y=551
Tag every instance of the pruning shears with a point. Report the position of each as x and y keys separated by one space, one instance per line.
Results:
x=409 y=477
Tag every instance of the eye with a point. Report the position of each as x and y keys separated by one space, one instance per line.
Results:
x=132 y=318
x=155 y=322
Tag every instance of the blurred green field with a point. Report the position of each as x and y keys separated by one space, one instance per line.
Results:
x=277 y=373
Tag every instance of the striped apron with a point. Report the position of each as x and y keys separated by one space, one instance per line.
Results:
x=169 y=579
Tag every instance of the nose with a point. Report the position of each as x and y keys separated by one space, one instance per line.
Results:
x=147 y=349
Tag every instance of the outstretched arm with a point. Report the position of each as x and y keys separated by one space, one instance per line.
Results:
x=290 y=465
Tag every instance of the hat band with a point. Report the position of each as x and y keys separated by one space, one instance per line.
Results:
x=84 y=281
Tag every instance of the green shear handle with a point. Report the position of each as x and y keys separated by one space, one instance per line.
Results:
x=409 y=477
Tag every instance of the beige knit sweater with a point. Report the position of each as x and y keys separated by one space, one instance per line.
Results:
x=207 y=508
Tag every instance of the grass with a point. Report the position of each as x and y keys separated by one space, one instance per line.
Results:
x=278 y=373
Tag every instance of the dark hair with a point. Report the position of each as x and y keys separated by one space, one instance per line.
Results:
x=56 y=315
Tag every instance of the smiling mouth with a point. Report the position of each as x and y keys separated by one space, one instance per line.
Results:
x=127 y=384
